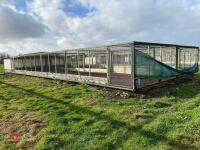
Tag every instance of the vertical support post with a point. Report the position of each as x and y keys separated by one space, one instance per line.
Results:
x=108 y=65
x=41 y=64
x=123 y=61
x=12 y=64
x=78 y=65
x=89 y=63
x=84 y=61
x=184 y=60
x=161 y=53
x=25 y=63
x=177 y=58
x=55 y=63
x=35 y=63
x=149 y=63
x=133 y=65
x=149 y=50
x=154 y=53
x=30 y=63
x=17 y=63
x=49 y=63
x=65 y=62
x=171 y=56
x=71 y=55
x=198 y=57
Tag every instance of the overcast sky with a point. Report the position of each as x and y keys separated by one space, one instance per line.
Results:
x=47 y=25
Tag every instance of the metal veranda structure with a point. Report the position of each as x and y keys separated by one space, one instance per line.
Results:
x=117 y=66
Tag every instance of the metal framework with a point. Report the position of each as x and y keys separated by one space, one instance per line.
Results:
x=109 y=65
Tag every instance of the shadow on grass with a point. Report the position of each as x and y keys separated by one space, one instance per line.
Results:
x=115 y=124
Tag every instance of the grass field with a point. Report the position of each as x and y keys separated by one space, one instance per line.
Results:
x=52 y=114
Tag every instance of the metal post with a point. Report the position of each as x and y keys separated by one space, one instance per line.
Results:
x=161 y=54
x=65 y=62
x=171 y=56
x=84 y=61
x=71 y=55
x=148 y=63
x=35 y=63
x=198 y=57
x=55 y=63
x=123 y=60
x=78 y=63
x=41 y=64
x=108 y=65
x=177 y=58
x=30 y=63
x=25 y=63
x=184 y=60
x=12 y=60
x=149 y=50
x=154 y=53
x=89 y=63
x=49 y=63
x=133 y=65
x=17 y=63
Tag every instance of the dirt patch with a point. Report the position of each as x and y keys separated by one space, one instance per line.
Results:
x=121 y=94
x=24 y=126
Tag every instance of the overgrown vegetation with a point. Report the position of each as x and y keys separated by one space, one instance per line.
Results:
x=57 y=115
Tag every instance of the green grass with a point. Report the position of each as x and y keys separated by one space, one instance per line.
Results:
x=61 y=116
x=1 y=68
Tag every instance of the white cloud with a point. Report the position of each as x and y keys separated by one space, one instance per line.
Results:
x=174 y=21
x=16 y=25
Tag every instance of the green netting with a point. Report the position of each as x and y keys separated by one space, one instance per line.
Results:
x=146 y=66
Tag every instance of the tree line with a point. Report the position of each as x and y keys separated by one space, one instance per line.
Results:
x=3 y=56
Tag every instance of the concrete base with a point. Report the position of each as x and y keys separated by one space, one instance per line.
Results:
x=97 y=81
x=65 y=77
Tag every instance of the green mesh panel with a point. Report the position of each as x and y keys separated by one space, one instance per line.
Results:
x=146 y=66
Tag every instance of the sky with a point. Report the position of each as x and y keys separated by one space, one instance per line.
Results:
x=28 y=26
